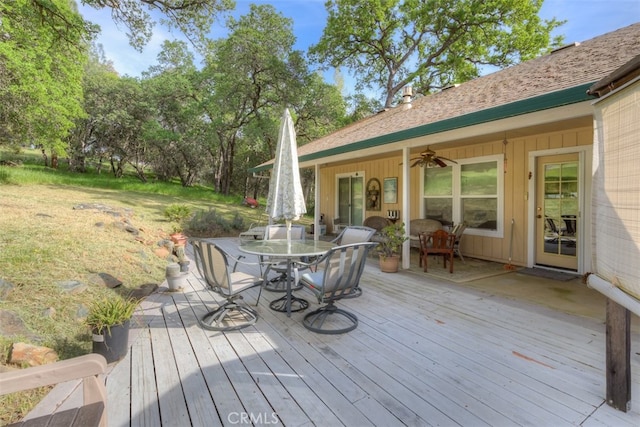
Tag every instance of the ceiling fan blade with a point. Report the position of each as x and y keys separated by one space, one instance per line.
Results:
x=416 y=163
x=439 y=162
x=448 y=160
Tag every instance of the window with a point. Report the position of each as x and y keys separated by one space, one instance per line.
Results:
x=438 y=193
x=469 y=191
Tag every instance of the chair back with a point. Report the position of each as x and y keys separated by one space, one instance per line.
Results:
x=376 y=222
x=551 y=224
x=355 y=234
x=570 y=223
x=342 y=269
x=212 y=264
x=438 y=241
x=458 y=230
x=279 y=231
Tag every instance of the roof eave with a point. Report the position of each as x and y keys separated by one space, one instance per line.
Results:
x=546 y=101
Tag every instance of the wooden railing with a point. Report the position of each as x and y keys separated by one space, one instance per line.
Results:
x=90 y=368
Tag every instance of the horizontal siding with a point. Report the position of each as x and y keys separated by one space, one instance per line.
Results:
x=516 y=183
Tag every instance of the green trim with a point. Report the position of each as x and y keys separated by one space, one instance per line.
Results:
x=556 y=99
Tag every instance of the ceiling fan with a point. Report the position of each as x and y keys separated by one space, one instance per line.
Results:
x=429 y=158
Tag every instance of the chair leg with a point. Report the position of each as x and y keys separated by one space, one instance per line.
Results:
x=355 y=292
x=315 y=320
x=279 y=284
x=230 y=316
x=260 y=293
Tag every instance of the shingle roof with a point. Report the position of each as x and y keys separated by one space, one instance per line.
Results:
x=573 y=66
x=619 y=77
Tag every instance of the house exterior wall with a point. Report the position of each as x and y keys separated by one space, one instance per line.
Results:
x=516 y=186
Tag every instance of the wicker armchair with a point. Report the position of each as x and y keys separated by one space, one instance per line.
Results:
x=377 y=223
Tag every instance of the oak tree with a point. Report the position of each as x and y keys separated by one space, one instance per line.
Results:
x=429 y=44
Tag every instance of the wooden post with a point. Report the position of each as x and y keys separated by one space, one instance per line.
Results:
x=618 y=328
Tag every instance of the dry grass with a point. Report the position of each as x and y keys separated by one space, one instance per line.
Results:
x=44 y=241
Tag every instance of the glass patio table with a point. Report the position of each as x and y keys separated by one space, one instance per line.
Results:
x=289 y=251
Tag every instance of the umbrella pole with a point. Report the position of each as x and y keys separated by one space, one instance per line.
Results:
x=289 y=278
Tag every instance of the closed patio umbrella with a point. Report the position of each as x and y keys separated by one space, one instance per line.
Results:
x=286 y=199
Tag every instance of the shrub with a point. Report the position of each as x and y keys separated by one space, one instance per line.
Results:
x=177 y=213
x=210 y=224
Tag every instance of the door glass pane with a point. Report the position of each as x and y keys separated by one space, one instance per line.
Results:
x=570 y=172
x=552 y=173
x=357 y=200
x=560 y=208
x=344 y=191
x=351 y=200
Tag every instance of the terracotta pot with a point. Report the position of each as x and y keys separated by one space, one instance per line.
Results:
x=389 y=264
x=178 y=239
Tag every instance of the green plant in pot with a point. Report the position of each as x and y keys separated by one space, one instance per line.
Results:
x=390 y=246
x=177 y=214
x=109 y=319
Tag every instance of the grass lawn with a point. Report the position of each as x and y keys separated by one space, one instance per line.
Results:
x=47 y=241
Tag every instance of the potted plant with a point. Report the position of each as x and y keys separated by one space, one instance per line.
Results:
x=178 y=214
x=390 y=246
x=109 y=320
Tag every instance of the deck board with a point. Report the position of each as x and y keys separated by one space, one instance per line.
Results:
x=426 y=352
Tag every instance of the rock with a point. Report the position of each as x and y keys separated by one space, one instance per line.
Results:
x=96 y=206
x=82 y=311
x=162 y=252
x=118 y=226
x=49 y=312
x=11 y=325
x=72 y=286
x=31 y=355
x=5 y=288
x=131 y=229
x=105 y=279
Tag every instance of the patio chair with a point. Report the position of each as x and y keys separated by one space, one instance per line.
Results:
x=337 y=275
x=458 y=231
x=213 y=264
x=377 y=223
x=355 y=234
x=279 y=231
x=570 y=224
x=255 y=231
x=552 y=231
x=438 y=242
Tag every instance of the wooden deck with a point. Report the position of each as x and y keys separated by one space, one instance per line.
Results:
x=425 y=353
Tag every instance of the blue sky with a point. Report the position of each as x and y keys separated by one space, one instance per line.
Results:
x=585 y=19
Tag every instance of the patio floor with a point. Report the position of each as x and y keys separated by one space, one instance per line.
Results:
x=426 y=352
